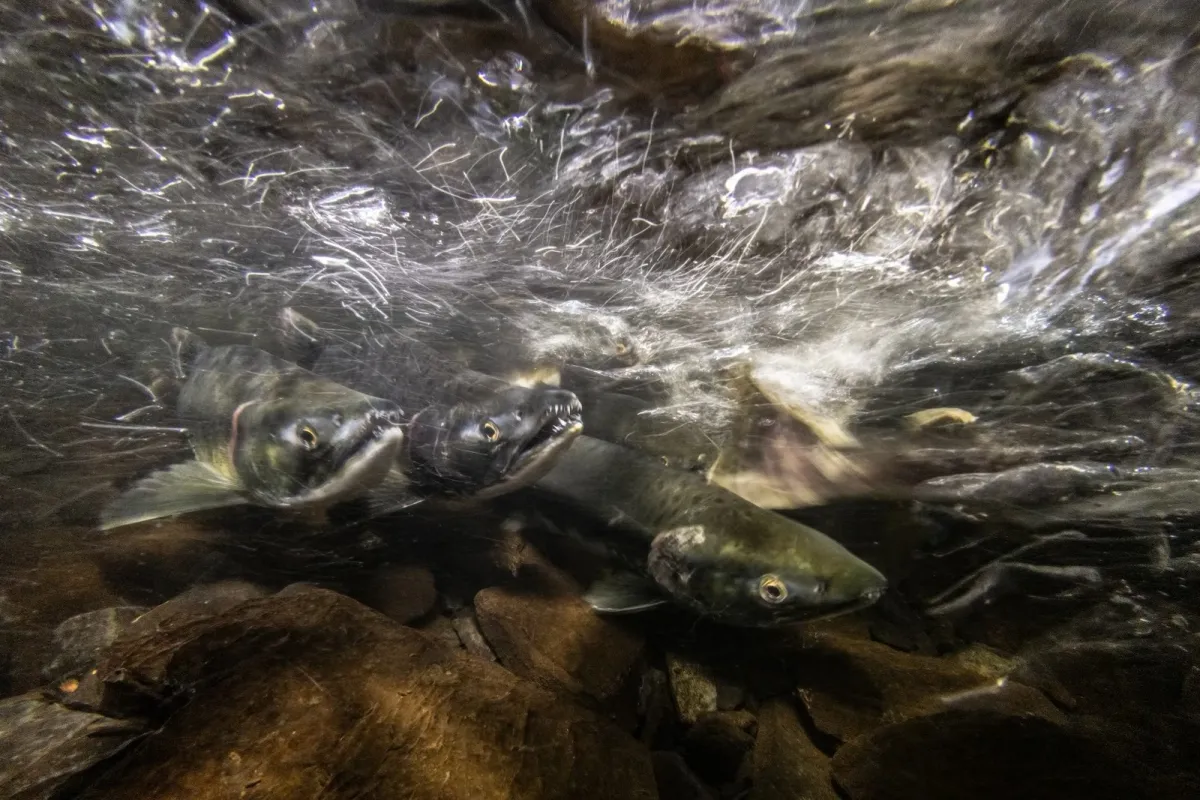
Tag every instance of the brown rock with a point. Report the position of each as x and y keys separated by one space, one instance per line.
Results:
x=441 y=627
x=49 y=591
x=404 y=593
x=850 y=686
x=694 y=691
x=44 y=744
x=1006 y=697
x=558 y=640
x=718 y=743
x=729 y=696
x=308 y=693
x=986 y=661
x=466 y=628
x=676 y=781
x=206 y=600
x=981 y=755
x=1131 y=692
x=654 y=703
x=672 y=58
x=786 y=762
x=80 y=639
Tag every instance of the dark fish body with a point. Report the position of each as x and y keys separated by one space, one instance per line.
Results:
x=702 y=545
x=520 y=345
x=494 y=445
x=267 y=432
x=469 y=434
x=630 y=421
x=404 y=370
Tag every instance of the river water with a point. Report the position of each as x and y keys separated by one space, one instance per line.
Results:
x=890 y=207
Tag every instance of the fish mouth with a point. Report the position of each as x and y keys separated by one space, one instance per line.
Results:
x=864 y=600
x=559 y=426
x=364 y=464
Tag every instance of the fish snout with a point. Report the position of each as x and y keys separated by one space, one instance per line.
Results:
x=864 y=585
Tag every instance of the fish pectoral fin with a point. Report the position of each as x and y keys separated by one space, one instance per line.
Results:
x=623 y=593
x=394 y=493
x=178 y=489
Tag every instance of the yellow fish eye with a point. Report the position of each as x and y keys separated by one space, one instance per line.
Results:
x=308 y=437
x=772 y=590
x=622 y=348
x=490 y=431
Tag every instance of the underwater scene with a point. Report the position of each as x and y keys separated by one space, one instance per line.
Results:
x=531 y=399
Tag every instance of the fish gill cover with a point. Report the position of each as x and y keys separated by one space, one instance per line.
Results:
x=877 y=210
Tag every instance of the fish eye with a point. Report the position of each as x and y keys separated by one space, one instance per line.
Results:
x=622 y=348
x=771 y=589
x=490 y=431
x=666 y=462
x=307 y=436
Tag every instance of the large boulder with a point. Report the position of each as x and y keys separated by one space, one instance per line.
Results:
x=309 y=693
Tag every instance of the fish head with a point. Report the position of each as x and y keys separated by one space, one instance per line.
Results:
x=499 y=445
x=588 y=340
x=612 y=350
x=291 y=453
x=786 y=573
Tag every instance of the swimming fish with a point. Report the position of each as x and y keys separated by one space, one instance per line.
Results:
x=680 y=538
x=265 y=432
x=492 y=446
x=469 y=434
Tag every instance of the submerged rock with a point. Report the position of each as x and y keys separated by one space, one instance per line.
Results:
x=81 y=638
x=786 y=761
x=1132 y=693
x=441 y=627
x=850 y=686
x=558 y=640
x=309 y=693
x=654 y=704
x=466 y=627
x=676 y=781
x=717 y=744
x=205 y=600
x=694 y=691
x=981 y=755
x=404 y=593
x=670 y=55
x=44 y=744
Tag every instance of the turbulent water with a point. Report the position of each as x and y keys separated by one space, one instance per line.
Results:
x=991 y=206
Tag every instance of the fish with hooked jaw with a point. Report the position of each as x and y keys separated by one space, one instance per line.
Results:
x=682 y=539
x=265 y=432
x=471 y=436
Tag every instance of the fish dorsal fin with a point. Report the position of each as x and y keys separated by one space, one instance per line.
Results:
x=623 y=593
x=394 y=493
x=178 y=489
x=303 y=340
